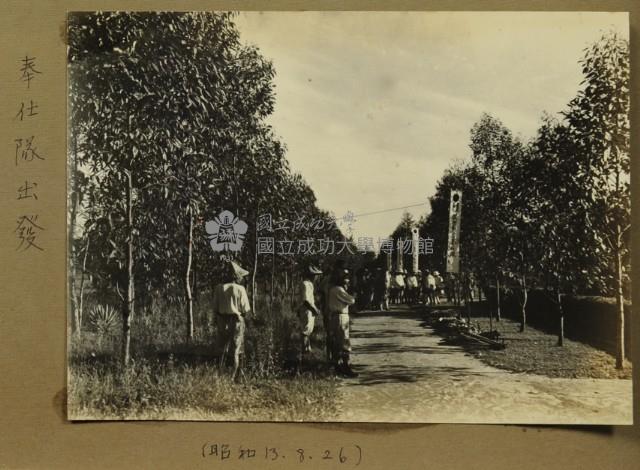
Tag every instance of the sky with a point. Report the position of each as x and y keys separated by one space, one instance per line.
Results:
x=374 y=106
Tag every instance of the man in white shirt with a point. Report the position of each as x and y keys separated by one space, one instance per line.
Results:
x=339 y=302
x=412 y=287
x=397 y=286
x=230 y=305
x=387 y=285
x=307 y=309
x=439 y=286
x=326 y=284
x=430 y=288
x=383 y=282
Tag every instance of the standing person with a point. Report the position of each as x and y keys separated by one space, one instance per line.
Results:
x=382 y=287
x=393 y=288
x=473 y=285
x=430 y=283
x=325 y=287
x=412 y=287
x=307 y=309
x=406 y=295
x=367 y=290
x=326 y=284
x=339 y=302
x=439 y=285
x=387 y=284
x=467 y=287
x=397 y=286
x=418 y=294
x=450 y=287
x=372 y=290
x=403 y=285
x=382 y=284
x=457 y=292
x=230 y=306
x=425 y=287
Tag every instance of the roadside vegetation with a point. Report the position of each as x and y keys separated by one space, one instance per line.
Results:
x=170 y=378
x=536 y=352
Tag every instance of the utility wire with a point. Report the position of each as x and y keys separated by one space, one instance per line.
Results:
x=384 y=210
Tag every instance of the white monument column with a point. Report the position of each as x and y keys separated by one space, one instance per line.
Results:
x=414 y=249
x=400 y=254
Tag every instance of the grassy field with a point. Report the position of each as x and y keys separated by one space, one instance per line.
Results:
x=172 y=378
x=536 y=352
x=173 y=390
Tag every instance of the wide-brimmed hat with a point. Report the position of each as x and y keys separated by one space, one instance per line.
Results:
x=311 y=269
x=436 y=273
x=237 y=270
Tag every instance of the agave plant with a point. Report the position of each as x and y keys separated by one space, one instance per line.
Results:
x=104 y=319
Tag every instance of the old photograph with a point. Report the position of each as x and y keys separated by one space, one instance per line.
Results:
x=413 y=217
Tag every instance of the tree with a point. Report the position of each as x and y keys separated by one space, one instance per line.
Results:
x=599 y=120
x=107 y=108
x=493 y=148
x=521 y=238
x=78 y=246
x=401 y=233
x=560 y=204
x=161 y=97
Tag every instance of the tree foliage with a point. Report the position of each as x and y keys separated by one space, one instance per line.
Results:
x=168 y=114
x=552 y=213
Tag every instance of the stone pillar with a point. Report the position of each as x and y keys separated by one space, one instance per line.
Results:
x=414 y=249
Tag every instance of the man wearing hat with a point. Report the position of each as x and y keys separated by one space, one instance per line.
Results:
x=339 y=302
x=230 y=306
x=307 y=309
x=326 y=284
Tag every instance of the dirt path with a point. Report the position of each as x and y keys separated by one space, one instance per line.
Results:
x=407 y=375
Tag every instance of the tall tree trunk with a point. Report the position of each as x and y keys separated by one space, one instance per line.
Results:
x=560 y=317
x=82 y=279
x=73 y=294
x=273 y=284
x=194 y=282
x=129 y=301
x=620 y=353
x=523 y=305
x=498 y=315
x=187 y=274
x=73 y=272
x=253 y=275
x=293 y=289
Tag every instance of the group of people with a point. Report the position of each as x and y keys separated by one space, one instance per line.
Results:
x=378 y=289
x=329 y=299
x=335 y=300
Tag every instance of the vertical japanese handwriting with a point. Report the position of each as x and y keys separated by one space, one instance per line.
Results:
x=28 y=228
